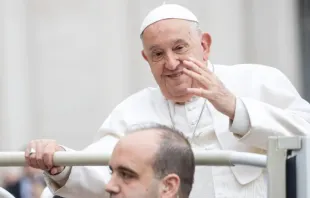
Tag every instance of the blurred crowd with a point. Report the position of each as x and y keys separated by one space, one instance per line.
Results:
x=25 y=183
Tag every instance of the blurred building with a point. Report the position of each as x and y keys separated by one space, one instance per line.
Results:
x=304 y=25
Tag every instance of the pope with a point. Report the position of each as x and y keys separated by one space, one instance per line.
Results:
x=219 y=107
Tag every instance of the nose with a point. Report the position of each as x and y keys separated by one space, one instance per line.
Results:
x=172 y=61
x=112 y=188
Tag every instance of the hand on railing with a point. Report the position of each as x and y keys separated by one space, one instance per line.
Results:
x=39 y=154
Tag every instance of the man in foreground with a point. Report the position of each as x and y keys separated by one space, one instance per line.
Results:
x=220 y=107
x=152 y=161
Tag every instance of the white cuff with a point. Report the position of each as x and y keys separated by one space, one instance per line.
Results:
x=55 y=182
x=241 y=123
x=62 y=177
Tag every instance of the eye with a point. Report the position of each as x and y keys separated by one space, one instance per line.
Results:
x=180 y=49
x=157 y=55
x=125 y=175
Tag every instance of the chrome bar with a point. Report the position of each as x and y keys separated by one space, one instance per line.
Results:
x=82 y=158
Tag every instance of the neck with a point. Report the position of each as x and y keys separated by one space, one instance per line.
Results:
x=183 y=102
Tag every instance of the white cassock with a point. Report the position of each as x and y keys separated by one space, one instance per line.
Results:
x=46 y=193
x=267 y=105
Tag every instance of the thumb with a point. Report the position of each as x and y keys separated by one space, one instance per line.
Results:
x=56 y=170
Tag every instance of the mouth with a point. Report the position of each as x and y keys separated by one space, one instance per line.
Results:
x=175 y=75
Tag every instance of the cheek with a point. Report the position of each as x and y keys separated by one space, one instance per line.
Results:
x=137 y=190
x=157 y=71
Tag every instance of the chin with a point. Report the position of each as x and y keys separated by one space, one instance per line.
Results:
x=178 y=99
x=182 y=99
x=177 y=93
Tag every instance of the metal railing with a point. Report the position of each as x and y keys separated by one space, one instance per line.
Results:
x=80 y=158
x=280 y=150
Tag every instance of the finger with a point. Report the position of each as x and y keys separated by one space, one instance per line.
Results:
x=192 y=66
x=32 y=156
x=39 y=155
x=200 y=92
x=27 y=152
x=55 y=170
x=198 y=77
x=49 y=155
x=199 y=63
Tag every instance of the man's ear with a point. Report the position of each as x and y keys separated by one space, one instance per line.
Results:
x=144 y=56
x=206 y=42
x=170 y=186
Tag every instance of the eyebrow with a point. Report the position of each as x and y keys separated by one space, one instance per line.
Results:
x=177 y=41
x=124 y=168
x=153 y=47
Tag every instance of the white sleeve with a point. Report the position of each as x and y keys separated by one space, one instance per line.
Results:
x=46 y=193
x=84 y=181
x=241 y=123
x=280 y=111
x=89 y=181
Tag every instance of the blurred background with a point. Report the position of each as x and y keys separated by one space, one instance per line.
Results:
x=64 y=65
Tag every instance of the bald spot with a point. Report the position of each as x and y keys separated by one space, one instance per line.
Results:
x=145 y=141
x=135 y=149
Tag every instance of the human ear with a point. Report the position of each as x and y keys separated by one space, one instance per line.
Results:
x=170 y=186
x=206 y=42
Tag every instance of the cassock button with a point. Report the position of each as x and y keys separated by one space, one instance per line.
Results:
x=190 y=108
x=194 y=123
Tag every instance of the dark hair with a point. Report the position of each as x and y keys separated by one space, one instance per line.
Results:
x=174 y=155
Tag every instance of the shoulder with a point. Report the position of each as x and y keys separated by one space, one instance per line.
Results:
x=138 y=105
x=255 y=80
x=141 y=98
x=134 y=109
x=247 y=68
x=263 y=73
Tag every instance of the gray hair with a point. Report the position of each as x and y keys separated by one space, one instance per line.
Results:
x=174 y=155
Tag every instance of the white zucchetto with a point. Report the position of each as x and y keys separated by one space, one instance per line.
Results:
x=167 y=11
